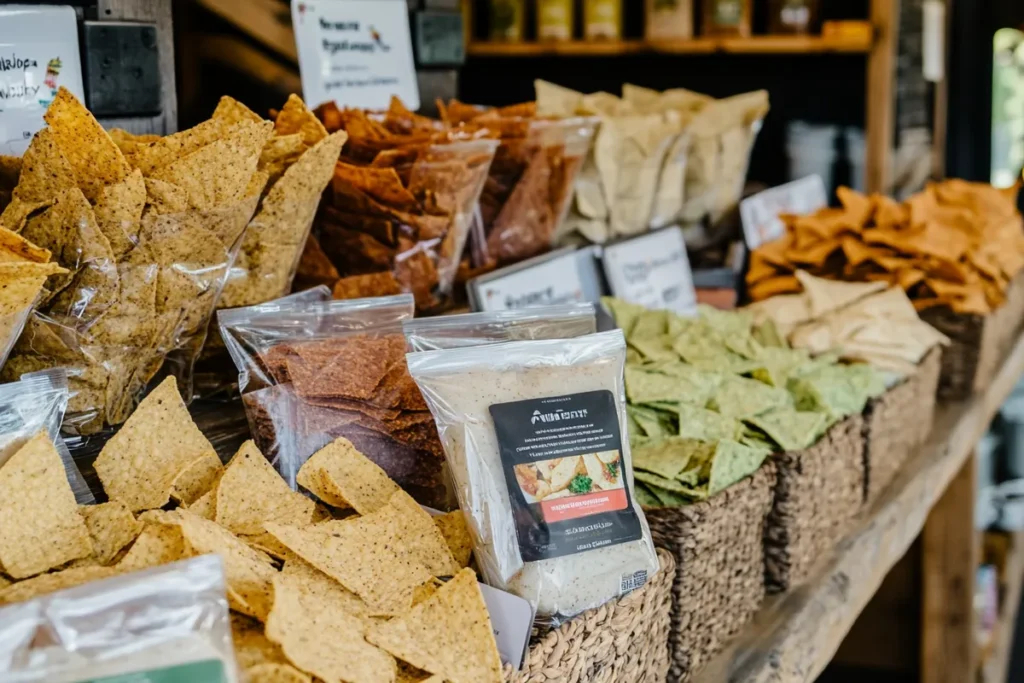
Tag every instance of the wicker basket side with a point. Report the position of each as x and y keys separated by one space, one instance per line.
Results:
x=623 y=640
x=719 y=580
x=818 y=492
x=896 y=423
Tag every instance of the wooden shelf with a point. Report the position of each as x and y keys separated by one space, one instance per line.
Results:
x=753 y=45
x=796 y=635
x=996 y=667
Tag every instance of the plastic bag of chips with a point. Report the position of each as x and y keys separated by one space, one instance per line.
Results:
x=535 y=434
x=476 y=329
x=170 y=622
x=36 y=404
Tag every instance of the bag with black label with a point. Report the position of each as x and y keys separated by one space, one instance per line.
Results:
x=476 y=329
x=534 y=433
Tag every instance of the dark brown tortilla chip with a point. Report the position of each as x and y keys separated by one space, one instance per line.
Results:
x=361 y=286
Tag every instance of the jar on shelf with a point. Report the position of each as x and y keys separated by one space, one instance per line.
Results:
x=555 y=19
x=507 y=20
x=727 y=18
x=793 y=17
x=669 y=20
x=602 y=19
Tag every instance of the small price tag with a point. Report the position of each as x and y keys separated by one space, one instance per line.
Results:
x=760 y=213
x=38 y=55
x=652 y=270
x=565 y=279
x=511 y=619
x=357 y=53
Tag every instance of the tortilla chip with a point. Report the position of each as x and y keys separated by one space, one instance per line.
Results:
x=51 y=583
x=205 y=506
x=343 y=477
x=40 y=525
x=111 y=527
x=272 y=672
x=118 y=210
x=140 y=463
x=370 y=285
x=158 y=544
x=232 y=111
x=295 y=117
x=252 y=647
x=45 y=172
x=456 y=533
x=774 y=286
x=449 y=634
x=670 y=457
x=21 y=283
x=416 y=537
x=197 y=479
x=252 y=493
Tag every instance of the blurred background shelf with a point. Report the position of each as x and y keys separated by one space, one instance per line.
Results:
x=791 y=45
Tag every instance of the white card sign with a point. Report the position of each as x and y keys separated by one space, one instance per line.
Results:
x=550 y=283
x=652 y=270
x=760 y=213
x=357 y=53
x=511 y=620
x=38 y=55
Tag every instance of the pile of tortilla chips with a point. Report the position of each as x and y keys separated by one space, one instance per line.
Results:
x=710 y=398
x=530 y=182
x=344 y=589
x=24 y=268
x=357 y=387
x=146 y=228
x=863 y=321
x=956 y=244
x=398 y=211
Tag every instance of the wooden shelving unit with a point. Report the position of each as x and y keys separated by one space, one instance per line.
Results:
x=754 y=45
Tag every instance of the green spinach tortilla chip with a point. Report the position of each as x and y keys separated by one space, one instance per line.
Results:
x=654 y=348
x=668 y=498
x=669 y=457
x=671 y=492
x=733 y=462
x=707 y=425
x=741 y=398
x=728 y=323
x=647 y=387
x=624 y=313
x=644 y=496
x=649 y=325
x=792 y=430
x=653 y=423
x=767 y=334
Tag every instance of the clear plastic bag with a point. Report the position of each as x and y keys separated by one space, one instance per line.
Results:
x=171 y=620
x=535 y=435
x=475 y=329
x=37 y=402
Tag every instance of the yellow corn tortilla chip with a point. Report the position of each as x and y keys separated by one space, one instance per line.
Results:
x=112 y=526
x=51 y=583
x=40 y=526
x=358 y=555
x=456 y=534
x=45 y=171
x=158 y=442
x=118 y=210
x=424 y=592
x=16 y=249
x=129 y=143
x=343 y=477
x=205 y=506
x=319 y=635
x=197 y=479
x=449 y=634
x=164 y=197
x=295 y=117
x=20 y=284
x=416 y=537
x=158 y=544
x=265 y=543
x=95 y=160
x=231 y=110
x=280 y=152
x=252 y=493
x=252 y=647
x=275 y=673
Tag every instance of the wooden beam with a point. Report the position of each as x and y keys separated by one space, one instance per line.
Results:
x=881 y=95
x=950 y=560
x=940 y=116
x=268 y=21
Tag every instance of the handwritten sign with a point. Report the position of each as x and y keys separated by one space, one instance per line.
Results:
x=652 y=270
x=357 y=53
x=760 y=213
x=570 y=277
x=38 y=55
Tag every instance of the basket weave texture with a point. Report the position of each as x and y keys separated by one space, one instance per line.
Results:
x=818 y=492
x=623 y=640
x=719 y=579
x=896 y=423
x=979 y=343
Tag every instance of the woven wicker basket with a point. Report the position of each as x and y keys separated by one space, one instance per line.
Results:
x=818 y=492
x=896 y=423
x=719 y=580
x=623 y=640
x=979 y=343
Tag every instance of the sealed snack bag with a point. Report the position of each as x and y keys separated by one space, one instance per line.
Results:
x=475 y=329
x=535 y=434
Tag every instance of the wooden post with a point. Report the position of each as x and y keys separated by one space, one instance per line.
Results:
x=881 y=95
x=950 y=560
x=940 y=116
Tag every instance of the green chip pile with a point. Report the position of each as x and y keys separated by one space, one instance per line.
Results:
x=711 y=397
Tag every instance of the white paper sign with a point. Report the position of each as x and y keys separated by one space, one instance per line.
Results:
x=548 y=284
x=357 y=53
x=652 y=270
x=760 y=213
x=38 y=55
x=511 y=620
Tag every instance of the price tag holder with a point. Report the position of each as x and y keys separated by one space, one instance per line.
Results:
x=38 y=54
x=357 y=53
x=511 y=618
x=652 y=270
x=563 y=277
x=760 y=213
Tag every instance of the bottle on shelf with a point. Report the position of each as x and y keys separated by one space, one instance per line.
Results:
x=669 y=20
x=507 y=20
x=602 y=19
x=793 y=17
x=555 y=20
x=727 y=18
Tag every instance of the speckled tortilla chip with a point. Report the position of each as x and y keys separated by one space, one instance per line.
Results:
x=361 y=286
x=252 y=647
x=21 y=283
x=40 y=526
x=118 y=210
x=94 y=158
x=45 y=171
x=158 y=544
x=111 y=527
x=456 y=533
x=51 y=583
x=272 y=672
x=449 y=634
x=14 y=248
x=158 y=442
x=343 y=477
x=251 y=493
x=232 y=111
x=197 y=479
x=295 y=117
x=416 y=537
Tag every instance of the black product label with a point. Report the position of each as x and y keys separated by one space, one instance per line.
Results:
x=562 y=458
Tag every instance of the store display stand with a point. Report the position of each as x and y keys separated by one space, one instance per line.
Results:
x=796 y=635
